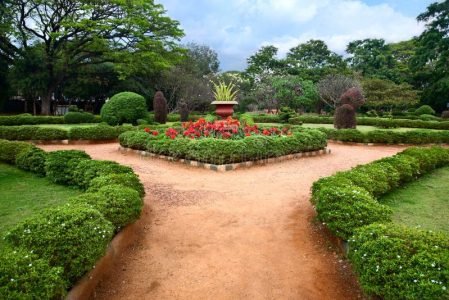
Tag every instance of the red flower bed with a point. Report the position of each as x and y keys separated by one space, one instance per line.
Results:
x=223 y=129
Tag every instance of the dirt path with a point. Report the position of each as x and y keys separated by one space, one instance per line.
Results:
x=245 y=234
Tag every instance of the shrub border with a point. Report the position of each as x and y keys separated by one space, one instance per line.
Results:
x=225 y=167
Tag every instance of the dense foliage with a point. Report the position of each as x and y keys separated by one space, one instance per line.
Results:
x=125 y=107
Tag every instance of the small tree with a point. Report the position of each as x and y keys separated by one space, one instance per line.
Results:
x=332 y=87
x=160 y=108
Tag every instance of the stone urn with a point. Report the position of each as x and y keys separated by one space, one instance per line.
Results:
x=224 y=109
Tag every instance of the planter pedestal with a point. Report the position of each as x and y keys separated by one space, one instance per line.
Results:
x=224 y=109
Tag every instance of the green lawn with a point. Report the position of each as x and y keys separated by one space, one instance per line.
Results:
x=423 y=203
x=23 y=194
x=362 y=128
x=67 y=126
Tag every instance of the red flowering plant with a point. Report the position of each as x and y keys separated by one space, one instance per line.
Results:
x=222 y=129
x=152 y=132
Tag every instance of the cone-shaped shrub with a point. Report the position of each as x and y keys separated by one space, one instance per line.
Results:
x=345 y=117
x=160 y=108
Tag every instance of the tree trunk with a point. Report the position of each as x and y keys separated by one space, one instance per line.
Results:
x=46 y=104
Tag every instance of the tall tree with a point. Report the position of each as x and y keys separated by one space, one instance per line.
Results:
x=431 y=61
x=372 y=58
x=133 y=34
x=313 y=59
x=263 y=63
x=385 y=94
x=202 y=59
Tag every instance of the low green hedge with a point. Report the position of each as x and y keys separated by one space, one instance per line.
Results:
x=263 y=118
x=27 y=119
x=23 y=275
x=416 y=137
x=73 y=237
x=61 y=244
x=218 y=151
x=76 y=117
x=382 y=122
x=393 y=262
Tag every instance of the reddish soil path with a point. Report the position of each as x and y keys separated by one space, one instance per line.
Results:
x=244 y=234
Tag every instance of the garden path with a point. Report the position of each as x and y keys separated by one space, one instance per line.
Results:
x=244 y=234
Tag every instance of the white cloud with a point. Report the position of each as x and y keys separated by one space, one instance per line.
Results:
x=238 y=28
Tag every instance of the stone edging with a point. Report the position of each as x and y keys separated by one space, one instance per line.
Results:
x=71 y=142
x=381 y=144
x=122 y=240
x=226 y=167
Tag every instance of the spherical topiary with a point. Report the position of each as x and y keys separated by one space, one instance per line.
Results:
x=160 y=108
x=126 y=107
x=425 y=110
x=345 y=117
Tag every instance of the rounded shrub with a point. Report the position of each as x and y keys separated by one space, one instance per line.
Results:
x=60 y=165
x=86 y=170
x=23 y=275
x=345 y=117
x=395 y=262
x=344 y=209
x=120 y=205
x=78 y=117
x=32 y=160
x=9 y=150
x=126 y=107
x=126 y=180
x=406 y=166
x=425 y=110
x=73 y=237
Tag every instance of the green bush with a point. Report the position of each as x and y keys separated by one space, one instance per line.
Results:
x=73 y=237
x=406 y=166
x=60 y=165
x=24 y=133
x=99 y=132
x=263 y=118
x=295 y=121
x=425 y=110
x=127 y=180
x=86 y=170
x=33 y=160
x=345 y=208
x=27 y=119
x=118 y=204
x=394 y=262
x=126 y=107
x=48 y=134
x=9 y=150
x=23 y=275
x=78 y=117
x=426 y=117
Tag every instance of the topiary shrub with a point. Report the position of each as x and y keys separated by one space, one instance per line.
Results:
x=184 y=111
x=445 y=114
x=345 y=117
x=424 y=110
x=10 y=150
x=120 y=205
x=86 y=170
x=160 y=108
x=32 y=160
x=353 y=97
x=126 y=107
x=23 y=275
x=126 y=180
x=78 y=117
x=60 y=165
x=73 y=237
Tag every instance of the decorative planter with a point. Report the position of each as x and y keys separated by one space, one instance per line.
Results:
x=224 y=109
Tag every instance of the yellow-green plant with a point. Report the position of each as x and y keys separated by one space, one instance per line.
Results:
x=224 y=92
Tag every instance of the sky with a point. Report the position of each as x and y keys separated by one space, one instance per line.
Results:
x=236 y=29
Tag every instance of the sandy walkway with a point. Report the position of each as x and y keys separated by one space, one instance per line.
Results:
x=246 y=234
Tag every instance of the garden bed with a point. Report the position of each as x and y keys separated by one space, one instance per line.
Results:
x=392 y=261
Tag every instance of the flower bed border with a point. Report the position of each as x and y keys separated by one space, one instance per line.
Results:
x=226 y=167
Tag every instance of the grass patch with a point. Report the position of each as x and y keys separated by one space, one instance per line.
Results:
x=362 y=128
x=23 y=194
x=423 y=203
x=67 y=126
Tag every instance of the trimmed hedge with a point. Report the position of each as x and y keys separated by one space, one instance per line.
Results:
x=417 y=137
x=23 y=275
x=125 y=107
x=75 y=117
x=263 y=118
x=126 y=180
x=393 y=262
x=27 y=119
x=9 y=150
x=381 y=122
x=73 y=237
x=60 y=165
x=33 y=160
x=217 y=151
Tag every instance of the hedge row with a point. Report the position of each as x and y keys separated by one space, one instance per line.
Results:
x=392 y=262
x=28 y=119
x=49 y=252
x=417 y=137
x=218 y=151
x=381 y=122
x=25 y=133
